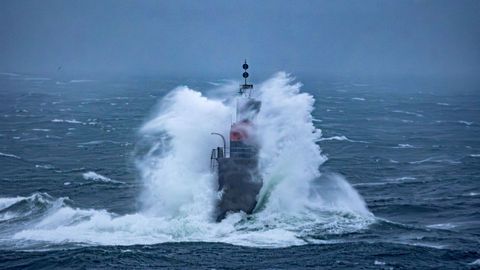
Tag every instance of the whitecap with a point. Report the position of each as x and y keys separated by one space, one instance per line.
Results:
x=358 y=98
x=403 y=178
x=404 y=145
x=98 y=177
x=409 y=113
x=476 y=262
x=443 y=104
x=474 y=155
x=434 y=160
x=336 y=138
x=370 y=184
x=44 y=166
x=41 y=129
x=7 y=202
x=465 y=122
x=70 y=121
x=10 y=155
x=81 y=81
x=35 y=203
x=36 y=79
x=97 y=142
x=339 y=138
x=52 y=137
x=442 y=226
x=9 y=74
x=390 y=181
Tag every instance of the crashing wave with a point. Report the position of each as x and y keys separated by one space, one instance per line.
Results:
x=296 y=203
x=28 y=208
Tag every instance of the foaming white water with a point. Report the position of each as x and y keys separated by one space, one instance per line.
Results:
x=176 y=168
x=296 y=202
x=289 y=156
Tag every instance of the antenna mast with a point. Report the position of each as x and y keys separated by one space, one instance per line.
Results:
x=245 y=89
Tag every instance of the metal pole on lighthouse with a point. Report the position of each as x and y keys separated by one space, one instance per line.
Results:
x=245 y=73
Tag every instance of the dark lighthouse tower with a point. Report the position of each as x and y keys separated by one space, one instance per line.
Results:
x=236 y=166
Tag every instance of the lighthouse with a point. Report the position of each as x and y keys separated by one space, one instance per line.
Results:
x=236 y=164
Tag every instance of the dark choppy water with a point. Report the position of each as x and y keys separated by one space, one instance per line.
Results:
x=66 y=156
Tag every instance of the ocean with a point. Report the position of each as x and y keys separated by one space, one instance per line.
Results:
x=114 y=173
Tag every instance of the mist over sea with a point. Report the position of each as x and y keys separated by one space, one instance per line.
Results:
x=111 y=173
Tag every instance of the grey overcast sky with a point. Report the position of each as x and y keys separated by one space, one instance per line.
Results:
x=360 y=38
